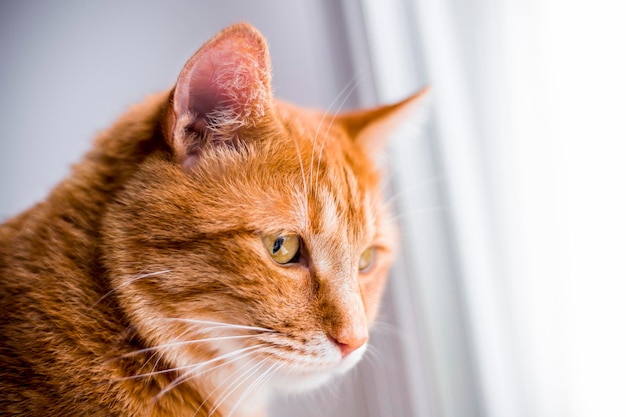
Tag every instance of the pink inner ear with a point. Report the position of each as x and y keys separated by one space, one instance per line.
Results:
x=224 y=83
x=205 y=98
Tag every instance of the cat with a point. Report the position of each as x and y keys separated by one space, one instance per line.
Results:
x=215 y=246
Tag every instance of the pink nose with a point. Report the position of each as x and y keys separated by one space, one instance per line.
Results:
x=349 y=344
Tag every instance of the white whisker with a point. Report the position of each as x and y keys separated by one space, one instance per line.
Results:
x=190 y=374
x=188 y=342
x=346 y=91
x=373 y=355
x=220 y=325
x=158 y=352
x=228 y=391
x=218 y=358
x=304 y=183
x=259 y=381
x=319 y=159
x=132 y=280
x=229 y=377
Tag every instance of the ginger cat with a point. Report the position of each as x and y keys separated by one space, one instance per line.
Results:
x=216 y=245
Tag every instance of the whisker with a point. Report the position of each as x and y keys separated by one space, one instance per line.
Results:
x=373 y=355
x=149 y=374
x=190 y=374
x=161 y=353
x=319 y=159
x=304 y=183
x=127 y=283
x=208 y=397
x=346 y=92
x=187 y=342
x=271 y=371
x=164 y=371
x=238 y=381
x=220 y=325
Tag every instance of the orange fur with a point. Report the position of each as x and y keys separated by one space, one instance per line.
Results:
x=109 y=285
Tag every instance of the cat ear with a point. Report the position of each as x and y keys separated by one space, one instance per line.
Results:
x=371 y=128
x=224 y=87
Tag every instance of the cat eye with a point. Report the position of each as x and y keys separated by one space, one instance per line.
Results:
x=284 y=249
x=367 y=260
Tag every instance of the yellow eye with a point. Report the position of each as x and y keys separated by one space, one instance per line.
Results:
x=284 y=249
x=367 y=259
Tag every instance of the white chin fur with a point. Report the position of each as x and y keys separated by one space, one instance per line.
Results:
x=299 y=381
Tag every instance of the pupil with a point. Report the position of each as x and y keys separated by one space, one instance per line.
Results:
x=278 y=243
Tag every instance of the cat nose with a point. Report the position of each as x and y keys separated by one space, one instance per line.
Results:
x=349 y=341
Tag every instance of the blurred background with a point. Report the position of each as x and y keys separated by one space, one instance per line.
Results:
x=508 y=298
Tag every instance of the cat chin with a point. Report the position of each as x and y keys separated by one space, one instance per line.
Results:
x=303 y=382
x=300 y=381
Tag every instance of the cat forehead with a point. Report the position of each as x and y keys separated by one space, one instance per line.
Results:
x=333 y=211
x=325 y=168
x=309 y=190
x=339 y=205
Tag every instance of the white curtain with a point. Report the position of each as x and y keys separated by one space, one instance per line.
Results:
x=528 y=125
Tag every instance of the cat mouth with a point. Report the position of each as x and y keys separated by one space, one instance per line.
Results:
x=302 y=377
x=333 y=365
x=349 y=361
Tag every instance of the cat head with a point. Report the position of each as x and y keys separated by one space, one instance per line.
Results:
x=257 y=240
